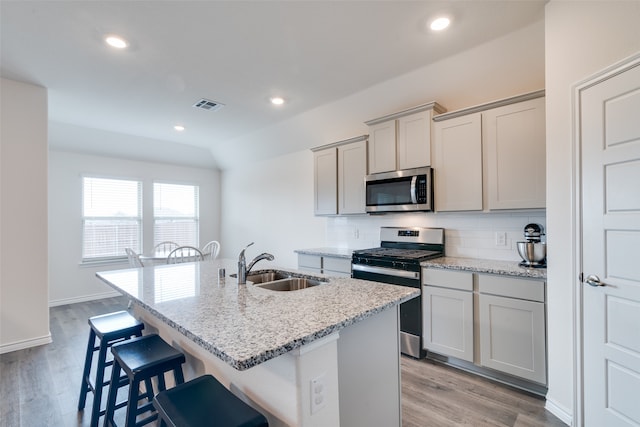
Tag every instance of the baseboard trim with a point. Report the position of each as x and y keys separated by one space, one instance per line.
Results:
x=84 y=298
x=21 y=345
x=559 y=411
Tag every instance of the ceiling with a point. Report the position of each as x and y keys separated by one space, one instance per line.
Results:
x=239 y=53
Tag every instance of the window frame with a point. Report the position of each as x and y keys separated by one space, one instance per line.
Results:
x=195 y=219
x=83 y=218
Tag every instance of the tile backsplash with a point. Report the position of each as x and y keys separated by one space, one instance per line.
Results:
x=467 y=234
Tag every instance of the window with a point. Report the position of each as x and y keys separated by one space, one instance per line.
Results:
x=175 y=214
x=111 y=217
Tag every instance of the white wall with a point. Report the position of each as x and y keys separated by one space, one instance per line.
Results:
x=71 y=282
x=581 y=39
x=24 y=313
x=271 y=201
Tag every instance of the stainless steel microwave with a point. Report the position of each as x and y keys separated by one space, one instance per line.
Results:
x=407 y=190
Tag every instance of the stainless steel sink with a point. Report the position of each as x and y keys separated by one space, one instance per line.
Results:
x=290 y=284
x=276 y=280
x=268 y=276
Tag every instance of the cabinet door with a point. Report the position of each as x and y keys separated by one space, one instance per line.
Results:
x=325 y=182
x=448 y=322
x=414 y=140
x=310 y=263
x=334 y=266
x=515 y=150
x=512 y=337
x=352 y=168
x=457 y=164
x=382 y=147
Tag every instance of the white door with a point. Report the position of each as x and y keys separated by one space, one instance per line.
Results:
x=610 y=143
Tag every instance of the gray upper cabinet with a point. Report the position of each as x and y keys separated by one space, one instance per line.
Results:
x=514 y=137
x=382 y=147
x=401 y=140
x=491 y=156
x=352 y=168
x=339 y=171
x=325 y=166
x=457 y=164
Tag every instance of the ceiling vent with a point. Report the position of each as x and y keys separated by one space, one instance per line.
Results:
x=207 y=104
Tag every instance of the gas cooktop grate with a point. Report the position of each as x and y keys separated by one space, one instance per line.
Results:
x=394 y=253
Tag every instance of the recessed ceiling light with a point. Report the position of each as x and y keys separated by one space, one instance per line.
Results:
x=179 y=128
x=276 y=100
x=440 y=24
x=117 y=42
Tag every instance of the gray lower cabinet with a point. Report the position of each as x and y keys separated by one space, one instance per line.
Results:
x=325 y=264
x=493 y=321
x=512 y=326
x=447 y=301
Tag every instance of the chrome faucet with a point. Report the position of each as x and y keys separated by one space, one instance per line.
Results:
x=243 y=269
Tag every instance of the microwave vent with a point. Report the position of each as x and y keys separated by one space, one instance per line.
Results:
x=207 y=104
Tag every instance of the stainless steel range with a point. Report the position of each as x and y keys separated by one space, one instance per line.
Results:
x=397 y=262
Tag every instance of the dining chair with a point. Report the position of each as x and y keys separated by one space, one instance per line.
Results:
x=211 y=250
x=166 y=246
x=134 y=258
x=184 y=254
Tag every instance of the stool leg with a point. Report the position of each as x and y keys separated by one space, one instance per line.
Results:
x=178 y=376
x=112 y=395
x=161 y=383
x=132 y=406
x=99 y=383
x=148 y=389
x=86 y=373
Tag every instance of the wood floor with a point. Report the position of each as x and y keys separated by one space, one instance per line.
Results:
x=39 y=386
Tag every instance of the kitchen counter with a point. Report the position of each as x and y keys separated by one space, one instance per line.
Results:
x=508 y=268
x=332 y=252
x=273 y=348
x=252 y=325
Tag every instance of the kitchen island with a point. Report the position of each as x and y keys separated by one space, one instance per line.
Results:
x=327 y=355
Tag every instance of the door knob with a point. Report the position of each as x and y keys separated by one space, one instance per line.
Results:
x=593 y=280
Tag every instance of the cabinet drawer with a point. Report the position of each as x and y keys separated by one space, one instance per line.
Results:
x=340 y=265
x=526 y=289
x=462 y=280
x=310 y=261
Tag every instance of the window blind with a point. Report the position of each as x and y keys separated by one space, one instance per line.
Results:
x=111 y=217
x=176 y=213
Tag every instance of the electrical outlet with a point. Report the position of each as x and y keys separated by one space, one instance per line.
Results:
x=356 y=233
x=501 y=238
x=318 y=393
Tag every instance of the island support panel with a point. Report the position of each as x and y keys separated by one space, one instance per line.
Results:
x=279 y=388
x=359 y=368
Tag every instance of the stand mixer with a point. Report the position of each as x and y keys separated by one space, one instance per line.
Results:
x=532 y=251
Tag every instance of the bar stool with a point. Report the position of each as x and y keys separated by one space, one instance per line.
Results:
x=141 y=359
x=109 y=329
x=204 y=402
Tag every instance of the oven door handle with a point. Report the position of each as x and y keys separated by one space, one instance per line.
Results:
x=386 y=271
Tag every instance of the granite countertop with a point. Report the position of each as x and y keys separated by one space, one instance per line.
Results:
x=334 y=252
x=245 y=325
x=509 y=268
